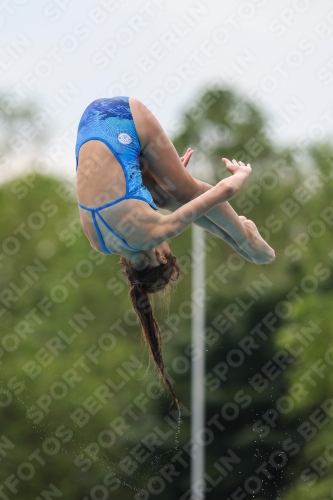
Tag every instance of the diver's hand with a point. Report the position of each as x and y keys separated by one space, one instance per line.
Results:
x=235 y=167
x=186 y=158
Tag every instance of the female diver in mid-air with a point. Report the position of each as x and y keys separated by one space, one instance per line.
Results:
x=127 y=168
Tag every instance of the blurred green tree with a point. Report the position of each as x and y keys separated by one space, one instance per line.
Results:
x=75 y=404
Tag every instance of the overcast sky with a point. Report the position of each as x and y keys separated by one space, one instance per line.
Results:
x=66 y=53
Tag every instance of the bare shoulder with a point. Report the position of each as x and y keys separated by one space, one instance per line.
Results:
x=136 y=224
x=150 y=232
x=157 y=233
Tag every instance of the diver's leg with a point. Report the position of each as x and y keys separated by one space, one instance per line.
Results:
x=160 y=158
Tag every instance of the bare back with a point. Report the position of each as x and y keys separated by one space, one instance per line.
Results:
x=101 y=180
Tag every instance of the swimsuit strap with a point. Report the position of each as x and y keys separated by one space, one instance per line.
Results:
x=95 y=211
x=99 y=233
x=104 y=206
x=119 y=237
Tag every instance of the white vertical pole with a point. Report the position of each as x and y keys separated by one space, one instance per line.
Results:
x=198 y=365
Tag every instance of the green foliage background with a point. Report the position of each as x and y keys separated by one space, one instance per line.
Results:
x=51 y=281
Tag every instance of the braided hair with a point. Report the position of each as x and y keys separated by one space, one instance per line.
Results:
x=143 y=282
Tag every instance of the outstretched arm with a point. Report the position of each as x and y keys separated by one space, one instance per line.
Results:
x=226 y=189
x=171 y=204
x=222 y=220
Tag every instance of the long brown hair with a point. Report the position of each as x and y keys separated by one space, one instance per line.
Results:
x=152 y=280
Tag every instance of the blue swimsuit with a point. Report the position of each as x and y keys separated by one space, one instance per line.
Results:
x=111 y=121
